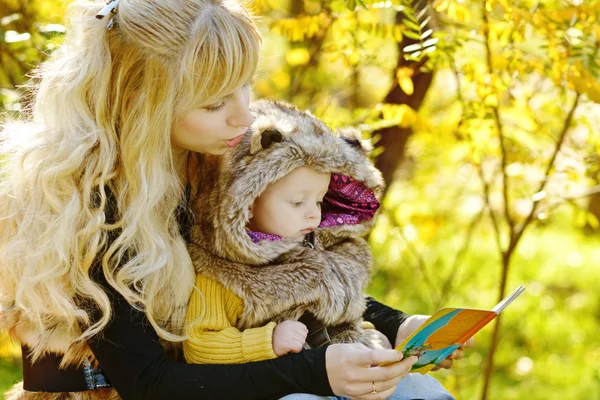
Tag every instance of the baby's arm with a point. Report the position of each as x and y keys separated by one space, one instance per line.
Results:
x=289 y=337
x=213 y=339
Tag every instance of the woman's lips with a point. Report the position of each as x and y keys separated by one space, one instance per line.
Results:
x=235 y=141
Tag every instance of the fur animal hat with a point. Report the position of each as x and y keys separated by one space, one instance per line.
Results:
x=281 y=139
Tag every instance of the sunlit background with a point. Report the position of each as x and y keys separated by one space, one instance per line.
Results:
x=486 y=120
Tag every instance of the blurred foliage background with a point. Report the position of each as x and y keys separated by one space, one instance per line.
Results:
x=485 y=118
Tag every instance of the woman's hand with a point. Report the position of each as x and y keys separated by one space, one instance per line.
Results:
x=351 y=374
x=412 y=323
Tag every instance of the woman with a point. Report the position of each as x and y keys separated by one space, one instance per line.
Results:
x=93 y=217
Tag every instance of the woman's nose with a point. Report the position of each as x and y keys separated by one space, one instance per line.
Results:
x=240 y=112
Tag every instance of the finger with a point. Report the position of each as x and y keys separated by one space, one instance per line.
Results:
x=297 y=345
x=390 y=383
x=468 y=344
x=447 y=363
x=302 y=333
x=388 y=372
x=458 y=354
x=299 y=338
x=384 y=394
x=375 y=390
x=298 y=332
x=371 y=357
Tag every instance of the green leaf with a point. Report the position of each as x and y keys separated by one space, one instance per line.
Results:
x=411 y=25
x=412 y=35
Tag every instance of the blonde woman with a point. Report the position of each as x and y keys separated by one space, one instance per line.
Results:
x=94 y=190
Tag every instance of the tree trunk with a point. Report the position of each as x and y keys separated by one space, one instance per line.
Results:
x=394 y=139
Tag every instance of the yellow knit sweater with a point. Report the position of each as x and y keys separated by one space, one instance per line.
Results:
x=211 y=318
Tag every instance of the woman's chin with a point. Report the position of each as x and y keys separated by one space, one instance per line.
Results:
x=218 y=150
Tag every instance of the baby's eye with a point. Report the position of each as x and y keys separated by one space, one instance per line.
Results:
x=296 y=203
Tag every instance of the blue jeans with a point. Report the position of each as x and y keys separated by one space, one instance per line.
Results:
x=411 y=387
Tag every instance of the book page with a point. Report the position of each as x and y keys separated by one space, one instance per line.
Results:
x=508 y=299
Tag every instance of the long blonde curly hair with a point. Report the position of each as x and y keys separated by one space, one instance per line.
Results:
x=104 y=107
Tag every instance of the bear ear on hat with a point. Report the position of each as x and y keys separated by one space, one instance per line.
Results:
x=352 y=136
x=270 y=136
x=263 y=140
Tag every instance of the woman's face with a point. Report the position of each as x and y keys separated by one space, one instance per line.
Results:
x=216 y=128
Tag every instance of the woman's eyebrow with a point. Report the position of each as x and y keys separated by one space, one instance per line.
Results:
x=227 y=97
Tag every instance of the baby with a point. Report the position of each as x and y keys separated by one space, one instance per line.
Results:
x=290 y=208
x=278 y=249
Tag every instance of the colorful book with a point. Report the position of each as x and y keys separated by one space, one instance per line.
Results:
x=446 y=330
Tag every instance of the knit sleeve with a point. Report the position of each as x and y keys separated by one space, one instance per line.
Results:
x=213 y=338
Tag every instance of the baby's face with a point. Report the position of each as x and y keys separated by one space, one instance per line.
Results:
x=291 y=207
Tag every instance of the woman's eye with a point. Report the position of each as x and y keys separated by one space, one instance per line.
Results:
x=319 y=204
x=213 y=108
x=296 y=203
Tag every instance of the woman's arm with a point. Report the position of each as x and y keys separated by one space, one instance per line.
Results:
x=132 y=358
x=386 y=319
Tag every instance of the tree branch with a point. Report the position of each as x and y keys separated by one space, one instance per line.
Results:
x=498 y=124
x=544 y=182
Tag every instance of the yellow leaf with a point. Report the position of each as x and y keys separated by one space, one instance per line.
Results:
x=491 y=100
x=398 y=33
x=593 y=221
x=459 y=13
x=556 y=72
x=406 y=84
x=440 y=5
x=313 y=27
x=584 y=82
x=297 y=56
x=297 y=33
x=353 y=57
x=581 y=218
x=281 y=79
x=410 y=117
x=404 y=75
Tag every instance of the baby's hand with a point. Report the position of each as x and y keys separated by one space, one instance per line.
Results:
x=288 y=337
